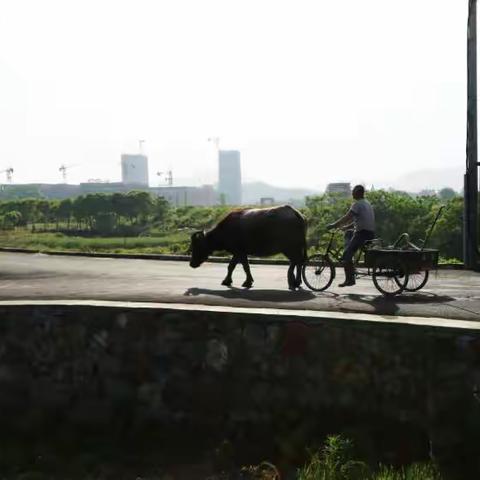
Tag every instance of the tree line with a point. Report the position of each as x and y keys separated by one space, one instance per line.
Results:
x=138 y=211
x=97 y=213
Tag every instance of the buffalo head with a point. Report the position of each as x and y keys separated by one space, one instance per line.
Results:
x=199 y=249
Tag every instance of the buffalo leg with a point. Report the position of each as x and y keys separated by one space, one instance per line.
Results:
x=294 y=270
x=246 y=267
x=298 y=277
x=291 y=276
x=227 y=281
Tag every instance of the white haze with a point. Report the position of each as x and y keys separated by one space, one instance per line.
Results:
x=309 y=91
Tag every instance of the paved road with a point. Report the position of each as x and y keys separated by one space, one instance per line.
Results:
x=449 y=293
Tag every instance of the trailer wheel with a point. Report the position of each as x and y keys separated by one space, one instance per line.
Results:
x=389 y=280
x=416 y=280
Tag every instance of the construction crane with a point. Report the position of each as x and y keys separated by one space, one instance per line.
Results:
x=9 y=172
x=215 y=141
x=168 y=177
x=63 y=168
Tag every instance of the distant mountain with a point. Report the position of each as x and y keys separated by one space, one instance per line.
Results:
x=426 y=179
x=252 y=192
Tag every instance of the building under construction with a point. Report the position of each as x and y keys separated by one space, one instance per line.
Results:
x=135 y=169
x=229 y=177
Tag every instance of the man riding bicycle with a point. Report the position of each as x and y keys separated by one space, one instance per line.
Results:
x=362 y=216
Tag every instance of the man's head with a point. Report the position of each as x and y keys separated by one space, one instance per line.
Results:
x=358 y=192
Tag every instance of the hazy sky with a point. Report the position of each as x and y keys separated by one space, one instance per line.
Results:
x=309 y=91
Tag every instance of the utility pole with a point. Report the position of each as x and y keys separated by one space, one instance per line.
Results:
x=470 y=214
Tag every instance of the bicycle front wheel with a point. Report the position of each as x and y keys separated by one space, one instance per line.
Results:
x=318 y=273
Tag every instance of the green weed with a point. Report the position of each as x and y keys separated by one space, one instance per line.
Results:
x=335 y=462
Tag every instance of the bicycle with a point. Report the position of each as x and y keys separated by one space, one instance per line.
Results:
x=401 y=266
x=389 y=275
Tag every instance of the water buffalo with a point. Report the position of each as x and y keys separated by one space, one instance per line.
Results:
x=255 y=231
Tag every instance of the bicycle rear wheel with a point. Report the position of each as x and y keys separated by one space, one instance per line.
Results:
x=318 y=273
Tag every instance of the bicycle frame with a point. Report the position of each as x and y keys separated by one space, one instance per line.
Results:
x=337 y=258
x=330 y=243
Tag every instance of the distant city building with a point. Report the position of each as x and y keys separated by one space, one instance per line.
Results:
x=267 y=201
x=135 y=169
x=183 y=196
x=38 y=190
x=176 y=196
x=104 y=187
x=134 y=177
x=343 y=189
x=229 y=177
x=428 y=192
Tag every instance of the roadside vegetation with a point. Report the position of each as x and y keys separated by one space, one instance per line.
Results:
x=137 y=222
x=333 y=461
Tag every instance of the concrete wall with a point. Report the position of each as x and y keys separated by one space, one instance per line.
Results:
x=281 y=381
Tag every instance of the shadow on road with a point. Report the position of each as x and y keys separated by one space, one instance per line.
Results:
x=284 y=296
x=390 y=306
x=29 y=275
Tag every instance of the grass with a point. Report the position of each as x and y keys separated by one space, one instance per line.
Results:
x=156 y=242
x=176 y=242
x=335 y=462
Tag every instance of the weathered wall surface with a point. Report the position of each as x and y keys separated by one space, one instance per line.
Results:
x=277 y=380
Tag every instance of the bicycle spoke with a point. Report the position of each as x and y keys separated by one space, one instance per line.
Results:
x=389 y=280
x=318 y=273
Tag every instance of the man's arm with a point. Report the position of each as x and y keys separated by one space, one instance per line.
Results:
x=349 y=226
x=345 y=220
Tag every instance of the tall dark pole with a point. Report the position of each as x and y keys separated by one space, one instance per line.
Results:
x=470 y=221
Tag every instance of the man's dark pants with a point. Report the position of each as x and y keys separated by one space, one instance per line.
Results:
x=354 y=241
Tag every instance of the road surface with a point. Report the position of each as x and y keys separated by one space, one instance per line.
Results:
x=448 y=294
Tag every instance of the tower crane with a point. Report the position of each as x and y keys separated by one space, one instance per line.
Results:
x=9 y=172
x=215 y=141
x=63 y=168
x=168 y=177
